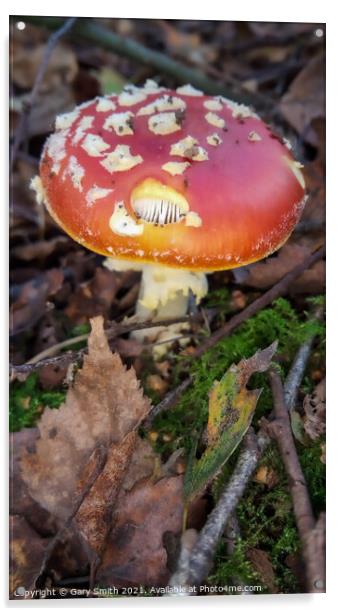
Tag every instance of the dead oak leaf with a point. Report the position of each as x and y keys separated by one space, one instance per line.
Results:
x=135 y=552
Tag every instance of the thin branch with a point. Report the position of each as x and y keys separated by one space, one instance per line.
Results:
x=253 y=447
x=267 y=298
x=91 y=31
x=44 y=358
x=169 y=400
x=178 y=581
x=280 y=288
x=204 y=550
x=297 y=370
x=21 y=131
x=280 y=429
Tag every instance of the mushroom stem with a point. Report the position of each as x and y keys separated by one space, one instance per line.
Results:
x=164 y=293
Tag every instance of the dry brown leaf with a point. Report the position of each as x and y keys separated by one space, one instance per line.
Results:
x=93 y=516
x=261 y=562
x=20 y=501
x=41 y=249
x=99 y=295
x=314 y=406
x=99 y=417
x=135 y=553
x=62 y=66
x=315 y=210
x=26 y=553
x=31 y=303
x=188 y=45
x=266 y=273
x=267 y=476
x=157 y=384
x=305 y=99
x=55 y=95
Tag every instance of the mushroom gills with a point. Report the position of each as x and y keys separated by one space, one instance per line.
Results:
x=159 y=211
x=157 y=203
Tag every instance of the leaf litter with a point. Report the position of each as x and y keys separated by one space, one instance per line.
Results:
x=281 y=61
x=89 y=463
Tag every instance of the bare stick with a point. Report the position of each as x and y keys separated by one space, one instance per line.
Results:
x=280 y=429
x=124 y=46
x=178 y=581
x=21 y=130
x=204 y=550
x=118 y=329
x=169 y=400
x=280 y=288
x=251 y=453
x=294 y=378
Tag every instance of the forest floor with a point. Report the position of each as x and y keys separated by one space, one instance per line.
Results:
x=57 y=286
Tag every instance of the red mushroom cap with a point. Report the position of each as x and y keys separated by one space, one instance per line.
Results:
x=173 y=177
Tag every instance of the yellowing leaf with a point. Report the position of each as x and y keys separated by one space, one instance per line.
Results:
x=231 y=407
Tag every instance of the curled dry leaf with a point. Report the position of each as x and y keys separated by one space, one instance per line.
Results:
x=314 y=406
x=305 y=99
x=20 y=501
x=268 y=272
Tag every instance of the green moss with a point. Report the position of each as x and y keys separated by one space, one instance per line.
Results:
x=234 y=568
x=279 y=322
x=266 y=519
x=27 y=400
x=267 y=522
x=219 y=299
x=315 y=474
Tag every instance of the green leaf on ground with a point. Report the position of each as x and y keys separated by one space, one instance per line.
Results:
x=231 y=408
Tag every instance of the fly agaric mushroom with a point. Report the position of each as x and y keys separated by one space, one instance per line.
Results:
x=175 y=183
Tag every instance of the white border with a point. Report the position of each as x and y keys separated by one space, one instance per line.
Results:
x=247 y=10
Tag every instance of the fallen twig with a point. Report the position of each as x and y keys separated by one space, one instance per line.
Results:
x=96 y=33
x=280 y=288
x=44 y=358
x=178 y=581
x=252 y=450
x=20 y=133
x=204 y=550
x=298 y=367
x=269 y=296
x=279 y=428
x=169 y=400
